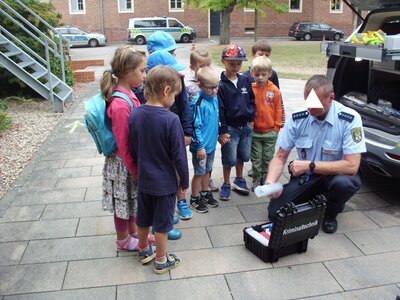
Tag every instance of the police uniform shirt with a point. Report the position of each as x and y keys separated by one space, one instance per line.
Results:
x=328 y=140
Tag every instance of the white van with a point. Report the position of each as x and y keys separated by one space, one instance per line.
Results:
x=141 y=28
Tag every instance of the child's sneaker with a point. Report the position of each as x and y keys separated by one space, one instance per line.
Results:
x=147 y=255
x=209 y=199
x=255 y=184
x=213 y=187
x=239 y=184
x=225 y=193
x=170 y=262
x=198 y=204
x=184 y=210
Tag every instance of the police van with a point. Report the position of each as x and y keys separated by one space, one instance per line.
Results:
x=366 y=77
x=141 y=28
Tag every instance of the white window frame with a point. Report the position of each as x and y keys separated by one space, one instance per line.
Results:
x=124 y=11
x=175 y=9
x=249 y=10
x=77 y=12
x=336 y=11
x=299 y=10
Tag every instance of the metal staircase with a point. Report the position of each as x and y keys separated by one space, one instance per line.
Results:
x=29 y=66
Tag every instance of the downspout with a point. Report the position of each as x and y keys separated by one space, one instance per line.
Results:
x=102 y=16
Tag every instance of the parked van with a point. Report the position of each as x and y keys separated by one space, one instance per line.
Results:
x=366 y=78
x=141 y=28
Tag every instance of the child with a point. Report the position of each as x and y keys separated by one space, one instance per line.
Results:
x=157 y=144
x=236 y=114
x=198 y=59
x=262 y=48
x=165 y=58
x=269 y=119
x=204 y=141
x=119 y=173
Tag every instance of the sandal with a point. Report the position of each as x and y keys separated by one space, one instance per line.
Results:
x=150 y=238
x=131 y=244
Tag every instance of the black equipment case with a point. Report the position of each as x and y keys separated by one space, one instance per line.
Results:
x=292 y=227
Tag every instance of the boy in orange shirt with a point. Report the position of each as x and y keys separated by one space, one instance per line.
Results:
x=269 y=118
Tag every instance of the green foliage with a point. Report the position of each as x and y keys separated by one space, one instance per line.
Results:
x=46 y=12
x=290 y=59
x=5 y=120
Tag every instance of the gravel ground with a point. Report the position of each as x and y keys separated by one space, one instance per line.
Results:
x=32 y=122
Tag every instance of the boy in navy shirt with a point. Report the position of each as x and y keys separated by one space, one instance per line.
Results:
x=157 y=145
x=236 y=114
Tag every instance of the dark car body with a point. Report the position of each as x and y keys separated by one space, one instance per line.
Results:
x=314 y=30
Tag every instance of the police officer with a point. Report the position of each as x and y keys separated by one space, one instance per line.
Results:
x=329 y=140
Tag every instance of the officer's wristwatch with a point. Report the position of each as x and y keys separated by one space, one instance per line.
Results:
x=311 y=166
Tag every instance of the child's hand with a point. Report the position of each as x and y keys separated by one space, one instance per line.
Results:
x=251 y=125
x=188 y=140
x=133 y=178
x=182 y=190
x=224 y=138
x=201 y=154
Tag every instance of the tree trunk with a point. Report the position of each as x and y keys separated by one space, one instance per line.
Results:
x=255 y=25
x=225 y=34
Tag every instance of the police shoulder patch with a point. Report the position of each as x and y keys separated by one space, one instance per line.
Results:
x=346 y=116
x=356 y=134
x=300 y=115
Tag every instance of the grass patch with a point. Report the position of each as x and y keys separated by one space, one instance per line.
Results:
x=291 y=60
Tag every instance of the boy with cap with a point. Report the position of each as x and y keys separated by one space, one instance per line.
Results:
x=236 y=113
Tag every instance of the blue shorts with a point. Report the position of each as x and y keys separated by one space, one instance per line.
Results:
x=238 y=149
x=201 y=167
x=156 y=211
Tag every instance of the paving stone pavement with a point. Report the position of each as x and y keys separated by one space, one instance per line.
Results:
x=57 y=243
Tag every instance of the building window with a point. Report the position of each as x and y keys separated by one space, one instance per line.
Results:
x=336 y=6
x=295 y=5
x=77 y=7
x=176 y=5
x=125 y=6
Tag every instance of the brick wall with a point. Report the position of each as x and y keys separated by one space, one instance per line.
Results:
x=270 y=25
x=84 y=76
x=82 y=64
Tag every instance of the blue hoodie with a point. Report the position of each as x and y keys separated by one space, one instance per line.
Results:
x=205 y=122
x=236 y=104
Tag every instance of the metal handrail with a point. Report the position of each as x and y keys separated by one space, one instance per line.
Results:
x=16 y=40
x=58 y=53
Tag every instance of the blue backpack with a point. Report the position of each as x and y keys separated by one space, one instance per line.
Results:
x=99 y=124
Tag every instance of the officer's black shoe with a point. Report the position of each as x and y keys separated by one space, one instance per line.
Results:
x=329 y=224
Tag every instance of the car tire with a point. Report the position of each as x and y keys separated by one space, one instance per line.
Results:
x=93 y=43
x=185 y=38
x=336 y=37
x=307 y=37
x=140 y=40
x=298 y=39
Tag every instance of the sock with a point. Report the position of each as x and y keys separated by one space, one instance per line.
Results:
x=161 y=259
x=193 y=198
x=182 y=200
x=145 y=248
x=203 y=193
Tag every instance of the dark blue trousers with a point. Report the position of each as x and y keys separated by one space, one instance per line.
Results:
x=337 y=189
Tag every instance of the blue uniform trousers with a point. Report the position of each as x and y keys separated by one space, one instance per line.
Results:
x=337 y=189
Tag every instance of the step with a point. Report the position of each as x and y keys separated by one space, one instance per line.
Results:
x=25 y=64
x=39 y=74
x=12 y=53
x=55 y=82
x=4 y=42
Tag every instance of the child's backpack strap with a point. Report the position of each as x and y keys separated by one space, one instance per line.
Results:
x=123 y=96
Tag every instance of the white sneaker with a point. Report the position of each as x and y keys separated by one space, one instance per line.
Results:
x=212 y=186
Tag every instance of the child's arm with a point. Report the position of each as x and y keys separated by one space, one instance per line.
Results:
x=279 y=111
x=178 y=153
x=197 y=138
x=184 y=112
